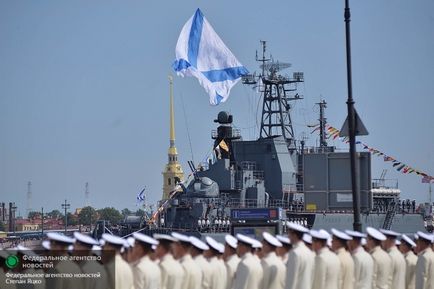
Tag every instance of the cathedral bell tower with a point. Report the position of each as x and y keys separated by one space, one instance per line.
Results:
x=173 y=172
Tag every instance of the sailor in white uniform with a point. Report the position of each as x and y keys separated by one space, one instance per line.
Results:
x=249 y=272
x=146 y=273
x=398 y=261
x=273 y=266
x=197 y=249
x=283 y=251
x=218 y=268
x=382 y=278
x=59 y=244
x=192 y=272
x=172 y=273
x=231 y=259
x=425 y=262
x=83 y=247
x=363 y=262
x=300 y=265
x=327 y=264
x=339 y=246
x=406 y=248
x=123 y=276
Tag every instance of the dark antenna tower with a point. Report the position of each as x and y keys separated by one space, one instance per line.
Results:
x=29 y=198
x=86 y=195
x=278 y=91
x=322 y=123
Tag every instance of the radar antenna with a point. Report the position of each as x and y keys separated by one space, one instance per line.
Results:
x=277 y=91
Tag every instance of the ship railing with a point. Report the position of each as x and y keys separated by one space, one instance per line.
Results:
x=315 y=150
x=234 y=134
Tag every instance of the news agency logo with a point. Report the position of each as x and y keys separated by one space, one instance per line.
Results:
x=12 y=261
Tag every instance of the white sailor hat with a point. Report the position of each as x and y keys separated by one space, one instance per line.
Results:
x=270 y=239
x=85 y=239
x=60 y=238
x=219 y=247
x=424 y=236
x=164 y=237
x=390 y=233
x=375 y=234
x=283 y=239
x=46 y=245
x=26 y=251
x=199 y=244
x=70 y=249
x=307 y=238
x=231 y=241
x=416 y=236
x=130 y=241
x=296 y=227
x=406 y=239
x=180 y=237
x=96 y=250
x=355 y=234
x=246 y=240
x=142 y=238
x=257 y=244
x=320 y=234
x=397 y=242
x=154 y=247
x=363 y=242
x=113 y=240
x=341 y=235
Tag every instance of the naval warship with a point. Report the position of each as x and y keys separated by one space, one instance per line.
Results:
x=257 y=185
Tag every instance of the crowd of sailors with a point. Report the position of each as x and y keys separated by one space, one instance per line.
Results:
x=302 y=259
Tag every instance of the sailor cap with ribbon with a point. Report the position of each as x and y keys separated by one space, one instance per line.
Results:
x=85 y=239
x=390 y=233
x=180 y=237
x=296 y=227
x=341 y=235
x=231 y=241
x=130 y=242
x=406 y=239
x=257 y=245
x=422 y=235
x=142 y=238
x=199 y=244
x=46 y=245
x=397 y=242
x=363 y=242
x=96 y=250
x=270 y=239
x=59 y=238
x=355 y=234
x=307 y=238
x=113 y=240
x=283 y=239
x=375 y=234
x=246 y=240
x=320 y=234
x=164 y=237
x=219 y=247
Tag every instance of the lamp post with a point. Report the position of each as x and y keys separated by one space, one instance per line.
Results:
x=66 y=206
x=42 y=222
x=357 y=225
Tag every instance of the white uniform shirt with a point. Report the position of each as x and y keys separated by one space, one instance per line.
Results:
x=206 y=270
x=172 y=273
x=410 y=270
x=274 y=272
x=147 y=274
x=299 y=268
x=398 y=268
x=218 y=273
x=425 y=269
x=192 y=273
x=382 y=278
x=66 y=283
x=363 y=269
x=95 y=283
x=346 y=280
x=327 y=270
x=231 y=268
x=249 y=273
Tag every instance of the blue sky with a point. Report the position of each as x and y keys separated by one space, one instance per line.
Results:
x=84 y=90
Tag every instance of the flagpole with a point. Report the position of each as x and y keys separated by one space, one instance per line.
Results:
x=430 y=194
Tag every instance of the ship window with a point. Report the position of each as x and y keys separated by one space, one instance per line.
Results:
x=169 y=182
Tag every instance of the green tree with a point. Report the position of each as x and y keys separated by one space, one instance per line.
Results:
x=126 y=212
x=140 y=213
x=110 y=214
x=33 y=215
x=72 y=220
x=87 y=216
x=55 y=214
x=2 y=226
